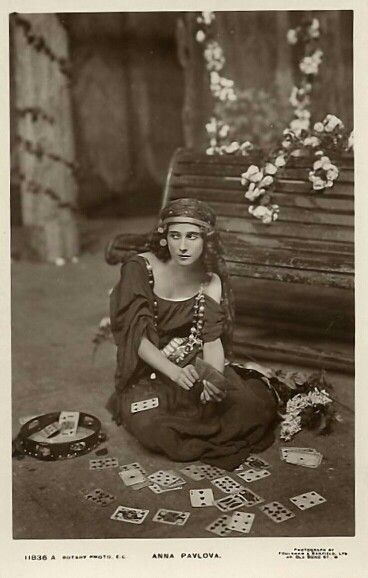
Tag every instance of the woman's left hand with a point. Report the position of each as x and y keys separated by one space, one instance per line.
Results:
x=211 y=392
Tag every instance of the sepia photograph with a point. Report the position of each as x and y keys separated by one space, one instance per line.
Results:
x=182 y=277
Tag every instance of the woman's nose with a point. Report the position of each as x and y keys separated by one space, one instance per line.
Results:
x=183 y=246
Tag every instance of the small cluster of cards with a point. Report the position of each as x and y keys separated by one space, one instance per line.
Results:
x=65 y=428
x=137 y=516
x=277 y=512
x=135 y=476
x=238 y=521
x=307 y=457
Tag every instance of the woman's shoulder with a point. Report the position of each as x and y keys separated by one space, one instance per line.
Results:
x=213 y=287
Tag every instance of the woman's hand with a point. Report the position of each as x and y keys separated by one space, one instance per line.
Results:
x=211 y=393
x=186 y=376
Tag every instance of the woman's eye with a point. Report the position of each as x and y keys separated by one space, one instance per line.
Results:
x=193 y=236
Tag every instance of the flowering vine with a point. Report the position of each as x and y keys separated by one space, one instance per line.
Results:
x=221 y=88
x=324 y=138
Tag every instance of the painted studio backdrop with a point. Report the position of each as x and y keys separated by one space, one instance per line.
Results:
x=115 y=94
x=112 y=116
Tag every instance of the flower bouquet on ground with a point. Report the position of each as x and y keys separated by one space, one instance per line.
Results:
x=306 y=402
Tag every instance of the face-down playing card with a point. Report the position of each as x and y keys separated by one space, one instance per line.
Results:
x=173 y=517
x=131 y=515
x=144 y=405
x=209 y=373
x=227 y=485
x=277 y=512
x=201 y=498
x=307 y=500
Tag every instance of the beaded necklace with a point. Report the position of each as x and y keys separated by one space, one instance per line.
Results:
x=195 y=336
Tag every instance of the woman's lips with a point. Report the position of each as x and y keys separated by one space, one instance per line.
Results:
x=184 y=256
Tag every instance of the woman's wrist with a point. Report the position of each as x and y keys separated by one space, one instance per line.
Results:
x=172 y=371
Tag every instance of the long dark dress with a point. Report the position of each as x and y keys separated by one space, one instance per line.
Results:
x=181 y=427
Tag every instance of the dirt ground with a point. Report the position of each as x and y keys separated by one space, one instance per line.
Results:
x=55 y=312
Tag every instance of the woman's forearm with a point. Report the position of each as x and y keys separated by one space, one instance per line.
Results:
x=213 y=353
x=156 y=359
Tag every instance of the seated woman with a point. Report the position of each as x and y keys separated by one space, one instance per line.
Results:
x=171 y=305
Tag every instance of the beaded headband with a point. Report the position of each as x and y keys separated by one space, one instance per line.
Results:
x=183 y=220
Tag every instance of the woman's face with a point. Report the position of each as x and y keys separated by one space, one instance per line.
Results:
x=185 y=243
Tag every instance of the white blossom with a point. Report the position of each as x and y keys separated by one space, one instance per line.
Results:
x=292 y=36
x=200 y=36
x=331 y=122
x=280 y=161
x=311 y=141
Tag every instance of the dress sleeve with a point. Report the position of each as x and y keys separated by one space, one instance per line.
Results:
x=213 y=320
x=131 y=317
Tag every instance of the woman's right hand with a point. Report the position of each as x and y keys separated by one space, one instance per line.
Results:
x=186 y=376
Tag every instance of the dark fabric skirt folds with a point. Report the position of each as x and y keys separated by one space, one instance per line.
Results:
x=182 y=428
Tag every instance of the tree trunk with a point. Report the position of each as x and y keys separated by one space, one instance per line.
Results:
x=44 y=138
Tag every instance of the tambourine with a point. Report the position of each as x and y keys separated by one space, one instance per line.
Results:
x=23 y=445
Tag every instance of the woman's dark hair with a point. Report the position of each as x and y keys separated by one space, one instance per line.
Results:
x=213 y=261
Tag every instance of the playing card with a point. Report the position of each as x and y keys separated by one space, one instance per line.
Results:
x=103 y=463
x=229 y=503
x=210 y=472
x=249 y=498
x=99 y=497
x=132 y=476
x=144 y=484
x=241 y=522
x=255 y=462
x=193 y=472
x=306 y=459
x=134 y=465
x=219 y=526
x=156 y=489
x=253 y=475
x=201 y=498
x=68 y=421
x=144 y=405
x=307 y=500
x=131 y=515
x=164 y=478
x=50 y=430
x=209 y=373
x=285 y=452
x=277 y=512
x=174 y=517
x=178 y=482
x=227 y=484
